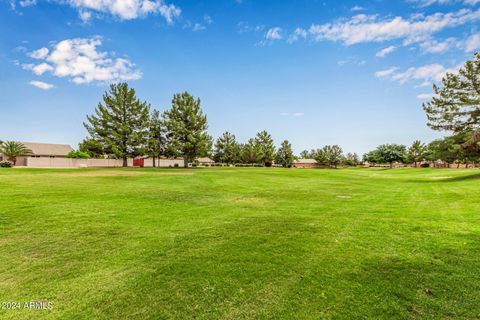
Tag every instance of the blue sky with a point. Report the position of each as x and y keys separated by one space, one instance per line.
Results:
x=352 y=73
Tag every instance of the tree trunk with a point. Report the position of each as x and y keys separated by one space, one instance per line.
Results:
x=154 y=161
x=125 y=162
x=185 y=162
x=391 y=165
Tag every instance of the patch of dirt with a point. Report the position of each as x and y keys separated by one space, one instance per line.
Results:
x=344 y=197
x=441 y=178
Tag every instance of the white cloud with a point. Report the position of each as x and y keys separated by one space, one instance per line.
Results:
x=41 y=85
x=297 y=34
x=198 y=27
x=122 y=9
x=41 y=53
x=79 y=60
x=385 y=73
x=244 y=27
x=382 y=53
x=274 y=34
x=426 y=3
x=352 y=61
x=27 y=3
x=370 y=28
x=41 y=68
x=295 y=114
x=84 y=15
x=428 y=74
x=473 y=42
x=433 y=46
x=357 y=8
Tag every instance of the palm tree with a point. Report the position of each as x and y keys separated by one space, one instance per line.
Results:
x=13 y=149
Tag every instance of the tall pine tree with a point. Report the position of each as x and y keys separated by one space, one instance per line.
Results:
x=266 y=148
x=456 y=105
x=285 y=155
x=187 y=126
x=120 y=123
x=227 y=149
x=157 y=137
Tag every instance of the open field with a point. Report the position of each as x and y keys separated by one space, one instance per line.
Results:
x=241 y=243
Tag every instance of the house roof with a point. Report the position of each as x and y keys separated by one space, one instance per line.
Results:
x=205 y=160
x=305 y=161
x=48 y=149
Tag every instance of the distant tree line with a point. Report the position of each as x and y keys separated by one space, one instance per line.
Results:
x=125 y=127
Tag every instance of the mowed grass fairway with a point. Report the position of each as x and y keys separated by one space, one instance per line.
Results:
x=241 y=243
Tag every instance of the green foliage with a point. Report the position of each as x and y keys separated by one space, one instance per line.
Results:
x=158 y=142
x=458 y=148
x=187 y=126
x=285 y=156
x=305 y=154
x=227 y=150
x=250 y=152
x=5 y=164
x=416 y=153
x=119 y=124
x=93 y=148
x=387 y=153
x=329 y=155
x=78 y=155
x=265 y=147
x=351 y=159
x=456 y=105
x=14 y=149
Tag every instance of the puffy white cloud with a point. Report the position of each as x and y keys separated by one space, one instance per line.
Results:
x=122 y=9
x=79 y=60
x=41 y=68
x=41 y=53
x=382 y=53
x=274 y=34
x=434 y=46
x=370 y=28
x=41 y=85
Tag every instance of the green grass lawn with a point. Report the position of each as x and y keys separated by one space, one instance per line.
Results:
x=245 y=243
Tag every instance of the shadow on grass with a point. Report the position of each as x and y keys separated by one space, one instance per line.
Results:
x=475 y=176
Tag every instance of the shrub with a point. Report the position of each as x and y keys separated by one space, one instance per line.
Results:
x=176 y=165
x=78 y=155
x=5 y=164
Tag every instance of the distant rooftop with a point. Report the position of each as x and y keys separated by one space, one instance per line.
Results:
x=48 y=149
x=305 y=161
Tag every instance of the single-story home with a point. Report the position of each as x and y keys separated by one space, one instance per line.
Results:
x=305 y=163
x=44 y=150
x=205 y=161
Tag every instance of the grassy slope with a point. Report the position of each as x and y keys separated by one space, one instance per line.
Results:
x=241 y=243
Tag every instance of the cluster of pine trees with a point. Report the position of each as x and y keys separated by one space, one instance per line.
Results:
x=124 y=127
